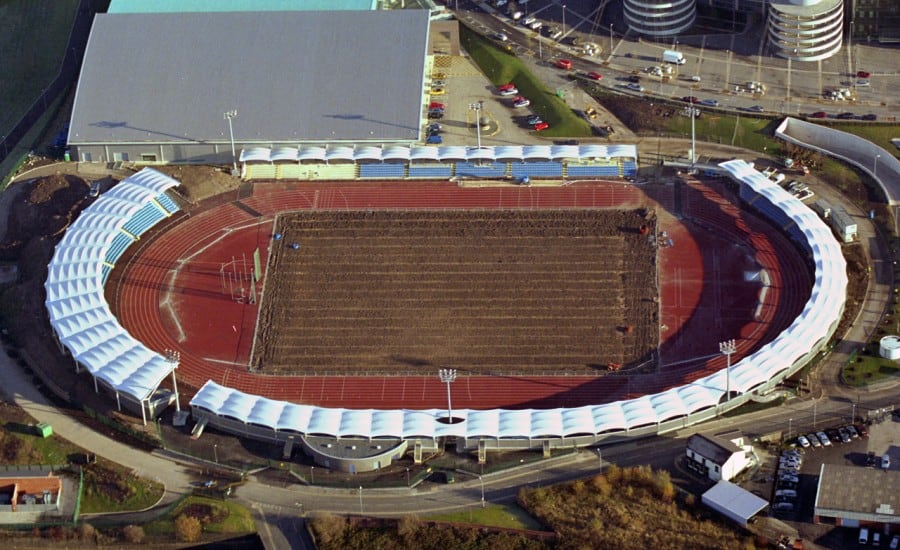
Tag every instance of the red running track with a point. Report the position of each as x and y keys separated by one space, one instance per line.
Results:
x=182 y=292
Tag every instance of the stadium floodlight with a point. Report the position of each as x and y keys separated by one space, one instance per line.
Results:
x=477 y=107
x=448 y=376
x=727 y=348
x=228 y=116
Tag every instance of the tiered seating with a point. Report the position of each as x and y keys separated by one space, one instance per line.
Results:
x=167 y=203
x=772 y=212
x=117 y=248
x=430 y=170
x=145 y=218
x=537 y=169
x=390 y=171
x=260 y=171
x=105 y=271
x=336 y=172
x=577 y=170
x=486 y=170
x=629 y=168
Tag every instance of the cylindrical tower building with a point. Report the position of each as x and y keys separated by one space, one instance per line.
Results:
x=660 y=17
x=806 y=30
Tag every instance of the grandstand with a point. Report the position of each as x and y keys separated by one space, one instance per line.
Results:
x=79 y=314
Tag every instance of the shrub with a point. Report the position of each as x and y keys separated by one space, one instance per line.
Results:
x=328 y=529
x=133 y=534
x=86 y=531
x=187 y=529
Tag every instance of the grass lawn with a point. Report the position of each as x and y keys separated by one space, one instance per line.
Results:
x=501 y=67
x=142 y=493
x=748 y=132
x=32 y=47
x=509 y=516
x=217 y=516
x=866 y=369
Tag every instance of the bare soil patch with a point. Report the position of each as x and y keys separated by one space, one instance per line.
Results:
x=508 y=292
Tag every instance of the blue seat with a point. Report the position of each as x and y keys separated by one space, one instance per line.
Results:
x=119 y=244
x=166 y=201
x=145 y=218
x=430 y=171
x=389 y=171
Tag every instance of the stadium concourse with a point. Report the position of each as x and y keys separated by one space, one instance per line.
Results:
x=228 y=397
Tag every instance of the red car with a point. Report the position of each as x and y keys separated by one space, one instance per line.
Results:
x=541 y=126
x=436 y=105
x=594 y=76
x=509 y=86
x=863 y=74
x=819 y=114
x=690 y=99
x=564 y=64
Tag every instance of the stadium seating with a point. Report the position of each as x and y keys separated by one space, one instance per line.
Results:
x=486 y=170
x=430 y=170
x=537 y=169
x=121 y=242
x=167 y=203
x=145 y=218
x=386 y=171
x=574 y=171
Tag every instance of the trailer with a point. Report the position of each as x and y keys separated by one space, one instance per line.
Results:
x=843 y=224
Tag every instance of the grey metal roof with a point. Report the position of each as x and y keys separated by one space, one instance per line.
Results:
x=712 y=447
x=855 y=490
x=291 y=76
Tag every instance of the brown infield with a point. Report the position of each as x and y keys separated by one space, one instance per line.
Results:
x=523 y=292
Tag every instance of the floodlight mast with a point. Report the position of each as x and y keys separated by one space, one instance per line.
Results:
x=447 y=376
x=228 y=116
x=727 y=348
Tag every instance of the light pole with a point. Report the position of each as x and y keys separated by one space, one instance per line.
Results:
x=727 y=348
x=477 y=107
x=360 y=500
x=610 y=40
x=482 y=491
x=853 y=413
x=228 y=116
x=312 y=475
x=448 y=376
x=216 y=452
x=790 y=428
x=564 y=19
x=875 y=167
x=814 y=415
x=407 y=478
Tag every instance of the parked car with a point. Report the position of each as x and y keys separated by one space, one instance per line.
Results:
x=520 y=102
x=435 y=128
x=690 y=99
x=824 y=439
x=845 y=116
x=434 y=105
x=438 y=91
x=885 y=461
x=709 y=102
x=870 y=459
x=862 y=83
x=500 y=36
x=783 y=506
x=564 y=64
x=863 y=74
x=789 y=478
x=541 y=126
x=534 y=119
x=754 y=109
x=870 y=116
x=818 y=114
x=833 y=435
x=594 y=76
x=434 y=139
x=852 y=431
x=507 y=86
x=634 y=86
x=895 y=543
x=792 y=485
x=862 y=429
x=509 y=91
x=844 y=434
x=435 y=114
x=813 y=440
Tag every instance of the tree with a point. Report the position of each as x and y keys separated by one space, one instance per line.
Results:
x=187 y=528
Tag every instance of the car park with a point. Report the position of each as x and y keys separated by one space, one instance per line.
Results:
x=436 y=105
x=824 y=439
x=435 y=128
x=436 y=83
x=818 y=114
x=876 y=538
x=805 y=194
x=509 y=91
x=594 y=76
x=863 y=535
x=633 y=78
x=863 y=74
x=788 y=478
x=635 y=86
x=783 y=506
x=895 y=543
x=709 y=102
x=564 y=64
x=506 y=86
x=870 y=459
x=541 y=126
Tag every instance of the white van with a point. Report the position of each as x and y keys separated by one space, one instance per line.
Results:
x=787 y=493
x=864 y=536
x=529 y=20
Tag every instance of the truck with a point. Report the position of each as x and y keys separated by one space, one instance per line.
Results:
x=672 y=56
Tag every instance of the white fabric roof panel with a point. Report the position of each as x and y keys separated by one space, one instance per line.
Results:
x=424 y=153
x=514 y=423
x=639 y=411
x=508 y=152
x=668 y=404
x=564 y=152
x=484 y=153
x=264 y=410
x=547 y=423
x=355 y=422
x=387 y=424
x=396 y=152
x=74 y=286
x=536 y=152
x=452 y=152
x=610 y=416
x=340 y=153
x=309 y=152
x=294 y=417
x=485 y=424
x=256 y=154
x=325 y=421
x=368 y=152
x=284 y=154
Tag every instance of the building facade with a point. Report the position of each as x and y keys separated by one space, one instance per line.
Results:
x=719 y=457
x=806 y=30
x=660 y=17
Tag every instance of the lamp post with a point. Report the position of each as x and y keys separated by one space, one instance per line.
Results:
x=814 y=415
x=853 y=413
x=407 y=477
x=360 y=500
x=790 y=428
x=216 y=452
x=312 y=475
x=478 y=106
x=482 y=490
x=726 y=348
x=875 y=167
x=228 y=116
x=610 y=40
x=448 y=376
x=564 y=19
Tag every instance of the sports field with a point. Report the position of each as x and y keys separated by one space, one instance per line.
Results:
x=487 y=292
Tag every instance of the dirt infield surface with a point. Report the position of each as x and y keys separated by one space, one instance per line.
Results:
x=502 y=292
